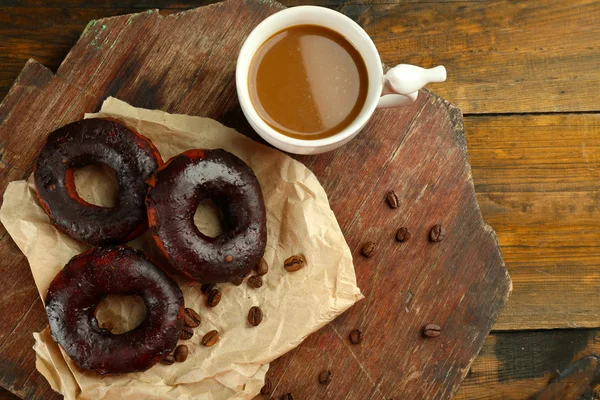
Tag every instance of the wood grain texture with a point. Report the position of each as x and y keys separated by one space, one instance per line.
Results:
x=420 y=151
x=6 y=395
x=510 y=366
x=391 y=319
x=170 y=4
x=537 y=179
x=582 y=379
x=502 y=56
x=520 y=365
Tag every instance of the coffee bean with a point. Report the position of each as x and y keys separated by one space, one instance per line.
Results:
x=238 y=282
x=210 y=339
x=255 y=316
x=168 y=359
x=437 y=233
x=186 y=333
x=432 y=330
x=287 y=396
x=207 y=287
x=214 y=297
x=267 y=387
x=294 y=263
x=403 y=234
x=247 y=274
x=355 y=336
x=392 y=199
x=262 y=267
x=181 y=353
x=191 y=318
x=325 y=377
x=368 y=249
x=255 y=282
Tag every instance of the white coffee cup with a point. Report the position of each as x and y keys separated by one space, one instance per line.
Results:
x=399 y=86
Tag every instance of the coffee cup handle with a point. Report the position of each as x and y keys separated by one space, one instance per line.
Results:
x=402 y=83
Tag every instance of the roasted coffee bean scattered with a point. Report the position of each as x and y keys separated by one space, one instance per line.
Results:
x=255 y=316
x=267 y=387
x=355 y=336
x=207 y=287
x=325 y=377
x=210 y=339
x=181 y=353
x=294 y=263
x=437 y=233
x=287 y=396
x=214 y=297
x=392 y=199
x=255 y=282
x=186 y=333
x=168 y=359
x=368 y=249
x=403 y=234
x=191 y=318
x=238 y=282
x=262 y=267
x=432 y=330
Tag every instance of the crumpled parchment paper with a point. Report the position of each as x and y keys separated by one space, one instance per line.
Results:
x=299 y=221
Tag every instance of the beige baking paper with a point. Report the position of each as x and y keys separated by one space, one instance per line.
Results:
x=299 y=221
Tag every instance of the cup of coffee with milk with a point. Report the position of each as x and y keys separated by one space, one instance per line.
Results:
x=309 y=78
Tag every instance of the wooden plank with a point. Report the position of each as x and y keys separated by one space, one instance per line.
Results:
x=537 y=179
x=535 y=153
x=581 y=379
x=173 y=4
x=21 y=377
x=502 y=56
x=510 y=366
x=392 y=319
x=519 y=365
x=23 y=314
x=437 y=187
x=46 y=35
x=34 y=76
x=132 y=4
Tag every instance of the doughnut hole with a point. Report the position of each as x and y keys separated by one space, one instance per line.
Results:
x=120 y=313
x=209 y=218
x=97 y=184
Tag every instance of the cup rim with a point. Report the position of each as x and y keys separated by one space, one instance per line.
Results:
x=244 y=95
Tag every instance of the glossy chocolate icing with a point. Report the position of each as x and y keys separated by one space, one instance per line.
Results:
x=176 y=190
x=93 y=141
x=76 y=291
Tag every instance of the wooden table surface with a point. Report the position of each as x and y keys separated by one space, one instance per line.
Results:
x=525 y=74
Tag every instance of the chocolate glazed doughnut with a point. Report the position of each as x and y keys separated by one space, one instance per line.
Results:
x=93 y=141
x=179 y=186
x=76 y=291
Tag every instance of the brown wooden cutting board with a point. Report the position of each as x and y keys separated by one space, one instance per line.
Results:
x=185 y=63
